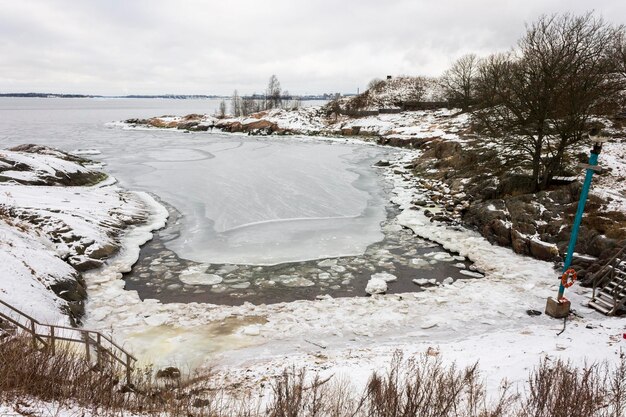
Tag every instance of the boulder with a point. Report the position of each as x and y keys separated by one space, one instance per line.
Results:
x=82 y=263
x=260 y=125
x=187 y=125
x=542 y=250
x=519 y=242
x=168 y=373
x=101 y=252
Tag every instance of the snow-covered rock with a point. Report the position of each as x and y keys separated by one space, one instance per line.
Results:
x=50 y=232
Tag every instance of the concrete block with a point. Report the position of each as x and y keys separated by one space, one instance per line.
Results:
x=558 y=308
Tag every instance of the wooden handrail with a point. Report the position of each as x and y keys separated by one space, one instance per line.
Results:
x=88 y=337
x=600 y=276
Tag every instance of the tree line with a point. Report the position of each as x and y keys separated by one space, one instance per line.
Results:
x=274 y=98
x=542 y=97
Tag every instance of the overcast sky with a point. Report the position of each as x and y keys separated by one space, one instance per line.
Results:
x=213 y=47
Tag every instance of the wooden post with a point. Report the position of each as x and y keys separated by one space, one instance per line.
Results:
x=128 y=370
x=34 y=332
x=98 y=347
x=88 y=353
x=52 y=342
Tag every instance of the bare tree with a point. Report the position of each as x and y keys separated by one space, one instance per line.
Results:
x=419 y=88
x=222 y=110
x=542 y=96
x=235 y=104
x=375 y=84
x=619 y=51
x=458 y=82
x=273 y=93
x=249 y=105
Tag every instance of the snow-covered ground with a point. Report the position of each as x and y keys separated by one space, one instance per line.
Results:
x=47 y=230
x=612 y=185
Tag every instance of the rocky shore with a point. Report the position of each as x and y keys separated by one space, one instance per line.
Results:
x=59 y=217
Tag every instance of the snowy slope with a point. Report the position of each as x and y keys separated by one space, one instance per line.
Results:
x=46 y=232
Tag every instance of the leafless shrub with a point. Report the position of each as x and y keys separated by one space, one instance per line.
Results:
x=423 y=386
x=560 y=389
x=293 y=396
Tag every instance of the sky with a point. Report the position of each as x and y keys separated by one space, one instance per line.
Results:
x=119 y=47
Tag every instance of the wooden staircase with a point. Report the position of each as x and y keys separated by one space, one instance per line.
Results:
x=98 y=346
x=609 y=285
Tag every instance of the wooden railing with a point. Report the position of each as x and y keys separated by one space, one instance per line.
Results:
x=607 y=272
x=49 y=335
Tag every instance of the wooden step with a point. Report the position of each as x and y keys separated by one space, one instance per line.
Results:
x=613 y=286
x=606 y=302
x=599 y=307
x=610 y=293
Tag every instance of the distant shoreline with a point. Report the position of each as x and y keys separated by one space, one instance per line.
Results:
x=139 y=96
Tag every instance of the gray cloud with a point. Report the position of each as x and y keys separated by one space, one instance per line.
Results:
x=200 y=47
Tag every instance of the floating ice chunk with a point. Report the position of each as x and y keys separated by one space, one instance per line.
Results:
x=219 y=288
x=327 y=262
x=419 y=263
x=338 y=268
x=241 y=285
x=227 y=269
x=448 y=281
x=200 y=279
x=471 y=273
x=385 y=276
x=420 y=281
x=440 y=256
x=323 y=276
x=376 y=286
x=295 y=281
x=460 y=265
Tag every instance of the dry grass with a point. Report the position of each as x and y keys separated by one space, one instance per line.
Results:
x=420 y=386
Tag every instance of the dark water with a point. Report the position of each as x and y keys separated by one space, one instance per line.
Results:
x=157 y=273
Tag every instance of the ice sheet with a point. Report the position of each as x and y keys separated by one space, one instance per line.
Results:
x=260 y=201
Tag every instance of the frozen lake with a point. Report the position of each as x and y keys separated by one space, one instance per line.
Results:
x=242 y=199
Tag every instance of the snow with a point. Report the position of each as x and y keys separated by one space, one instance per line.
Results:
x=376 y=286
x=612 y=185
x=48 y=164
x=42 y=228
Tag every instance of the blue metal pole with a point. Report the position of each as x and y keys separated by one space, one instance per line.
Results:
x=593 y=161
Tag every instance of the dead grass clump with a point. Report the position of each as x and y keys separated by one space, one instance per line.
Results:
x=562 y=390
x=28 y=372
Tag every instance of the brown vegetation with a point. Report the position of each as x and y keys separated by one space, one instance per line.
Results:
x=420 y=386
